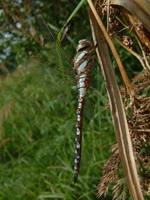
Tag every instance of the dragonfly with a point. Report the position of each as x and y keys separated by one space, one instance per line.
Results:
x=82 y=65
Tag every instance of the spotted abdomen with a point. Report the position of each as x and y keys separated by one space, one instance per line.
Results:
x=82 y=67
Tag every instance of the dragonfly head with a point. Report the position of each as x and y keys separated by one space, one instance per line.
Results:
x=83 y=44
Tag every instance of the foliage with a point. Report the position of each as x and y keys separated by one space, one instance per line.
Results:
x=38 y=100
x=29 y=26
x=37 y=136
x=130 y=109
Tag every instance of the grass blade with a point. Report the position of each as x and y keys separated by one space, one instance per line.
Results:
x=117 y=109
x=125 y=78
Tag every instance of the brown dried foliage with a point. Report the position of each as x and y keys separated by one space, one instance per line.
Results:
x=137 y=110
x=139 y=126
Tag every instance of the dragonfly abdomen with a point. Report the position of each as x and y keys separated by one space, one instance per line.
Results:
x=82 y=67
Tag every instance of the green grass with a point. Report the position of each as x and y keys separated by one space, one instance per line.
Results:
x=37 y=136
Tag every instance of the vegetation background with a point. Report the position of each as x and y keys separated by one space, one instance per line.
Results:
x=38 y=105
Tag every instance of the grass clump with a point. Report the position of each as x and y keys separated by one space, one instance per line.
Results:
x=37 y=133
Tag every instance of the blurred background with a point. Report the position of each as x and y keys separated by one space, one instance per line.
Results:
x=38 y=100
